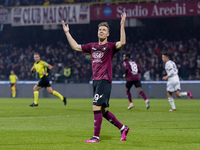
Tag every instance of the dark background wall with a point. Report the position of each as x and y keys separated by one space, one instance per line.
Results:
x=152 y=90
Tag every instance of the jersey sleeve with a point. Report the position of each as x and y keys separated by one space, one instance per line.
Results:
x=86 y=48
x=44 y=63
x=115 y=50
x=169 y=69
x=126 y=66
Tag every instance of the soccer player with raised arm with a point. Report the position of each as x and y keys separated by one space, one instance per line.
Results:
x=41 y=68
x=102 y=53
x=13 y=81
x=173 y=84
x=132 y=70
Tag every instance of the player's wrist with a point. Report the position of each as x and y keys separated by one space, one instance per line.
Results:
x=122 y=23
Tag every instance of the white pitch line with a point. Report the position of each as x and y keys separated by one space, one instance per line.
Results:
x=46 y=116
x=2 y=111
x=50 y=116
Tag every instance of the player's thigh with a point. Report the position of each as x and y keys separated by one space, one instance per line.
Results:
x=177 y=86
x=170 y=87
x=49 y=89
x=36 y=88
x=138 y=86
x=102 y=93
x=129 y=84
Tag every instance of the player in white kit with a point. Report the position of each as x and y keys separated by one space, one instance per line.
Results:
x=173 y=84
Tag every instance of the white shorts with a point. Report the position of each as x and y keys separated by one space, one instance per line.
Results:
x=173 y=86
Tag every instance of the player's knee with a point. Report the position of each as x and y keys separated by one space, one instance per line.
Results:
x=96 y=108
x=103 y=110
x=139 y=90
x=127 y=89
x=50 y=91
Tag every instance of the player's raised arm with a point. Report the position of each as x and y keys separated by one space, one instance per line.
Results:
x=74 y=45
x=49 y=66
x=122 y=41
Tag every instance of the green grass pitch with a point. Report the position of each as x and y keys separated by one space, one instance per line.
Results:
x=53 y=126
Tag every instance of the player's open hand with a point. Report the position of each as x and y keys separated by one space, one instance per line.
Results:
x=124 y=76
x=65 y=27
x=165 y=78
x=123 y=18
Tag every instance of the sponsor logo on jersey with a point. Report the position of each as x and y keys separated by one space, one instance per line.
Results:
x=97 y=55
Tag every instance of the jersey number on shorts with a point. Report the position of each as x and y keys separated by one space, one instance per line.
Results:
x=97 y=97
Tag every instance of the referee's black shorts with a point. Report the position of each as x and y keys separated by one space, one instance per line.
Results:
x=101 y=92
x=11 y=84
x=44 y=82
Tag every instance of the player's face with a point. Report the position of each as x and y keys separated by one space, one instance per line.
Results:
x=164 y=58
x=103 y=32
x=36 y=58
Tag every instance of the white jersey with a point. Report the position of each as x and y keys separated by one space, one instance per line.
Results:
x=171 y=69
x=173 y=83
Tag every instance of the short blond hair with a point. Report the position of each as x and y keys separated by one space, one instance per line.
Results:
x=37 y=54
x=104 y=24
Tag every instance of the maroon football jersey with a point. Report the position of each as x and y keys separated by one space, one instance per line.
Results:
x=102 y=56
x=132 y=69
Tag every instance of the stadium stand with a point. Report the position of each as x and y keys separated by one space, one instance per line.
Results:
x=146 y=45
x=146 y=53
x=7 y=3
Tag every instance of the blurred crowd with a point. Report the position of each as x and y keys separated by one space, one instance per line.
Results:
x=148 y=54
x=75 y=67
x=42 y=2
x=59 y=56
x=92 y=2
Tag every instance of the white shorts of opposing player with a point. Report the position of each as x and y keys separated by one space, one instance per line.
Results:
x=173 y=84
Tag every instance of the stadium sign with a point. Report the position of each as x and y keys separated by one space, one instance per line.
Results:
x=71 y=14
x=5 y=15
x=168 y=9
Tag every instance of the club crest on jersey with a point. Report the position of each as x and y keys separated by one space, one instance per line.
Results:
x=104 y=49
